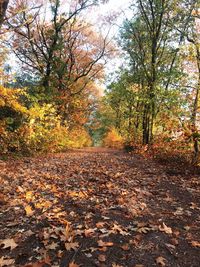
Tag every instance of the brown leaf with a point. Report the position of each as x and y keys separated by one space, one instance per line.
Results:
x=89 y=232
x=102 y=258
x=8 y=243
x=100 y=224
x=73 y=264
x=161 y=261
x=125 y=247
x=36 y=264
x=6 y=261
x=104 y=244
x=52 y=246
x=195 y=244
x=70 y=246
x=165 y=228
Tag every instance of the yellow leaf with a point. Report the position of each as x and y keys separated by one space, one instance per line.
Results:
x=29 y=211
x=29 y=195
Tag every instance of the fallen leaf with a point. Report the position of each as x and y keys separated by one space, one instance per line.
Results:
x=8 y=243
x=102 y=258
x=125 y=247
x=29 y=195
x=161 y=261
x=104 y=244
x=36 y=264
x=70 y=246
x=52 y=246
x=29 y=211
x=143 y=230
x=89 y=232
x=6 y=261
x=195 y=244
x=73 y=264
x=116 y=265
x=165 y=228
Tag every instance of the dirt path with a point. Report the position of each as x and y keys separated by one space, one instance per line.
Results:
x=97 y=207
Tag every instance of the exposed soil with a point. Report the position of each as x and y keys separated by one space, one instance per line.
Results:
x=98 y=207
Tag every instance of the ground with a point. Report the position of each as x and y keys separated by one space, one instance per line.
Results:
x=98 y=207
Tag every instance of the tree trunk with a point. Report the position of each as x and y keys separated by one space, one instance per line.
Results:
x=194 y=113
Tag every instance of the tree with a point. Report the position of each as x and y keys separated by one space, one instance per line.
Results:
x=64 y=50
x=3 y=8
x=147 y=39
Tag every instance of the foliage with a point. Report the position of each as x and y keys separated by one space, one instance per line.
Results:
x=113 y=139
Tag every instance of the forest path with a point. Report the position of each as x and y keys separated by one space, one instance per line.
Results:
x=97 y=207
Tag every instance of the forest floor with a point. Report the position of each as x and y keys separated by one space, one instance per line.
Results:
x=98 y=207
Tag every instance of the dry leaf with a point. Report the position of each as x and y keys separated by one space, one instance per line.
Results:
x=100 y=224
x=29 y=211
x=161 y=261
x=89 y=232
x=73 y=264
x=116 y=265
x=125 y=247
x=195 y=244
x=36 y=264
x=6 y=261
x=29 y=195
x=8 y=243
x=52 y=246
x=139 y=265
x=104 y=244
x=70 y=246
x=143 y=230
x=165 y=228
x=102 y=258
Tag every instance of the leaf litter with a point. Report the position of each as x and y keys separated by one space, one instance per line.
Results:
x=97 y=206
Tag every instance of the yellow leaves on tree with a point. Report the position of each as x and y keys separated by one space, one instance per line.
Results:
x=113 y=139
x=10 y=98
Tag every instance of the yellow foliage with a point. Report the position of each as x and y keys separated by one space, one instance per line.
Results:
x=113 y=139
x=10 y=97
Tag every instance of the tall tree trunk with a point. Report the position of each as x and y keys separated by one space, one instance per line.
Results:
x=195 y=110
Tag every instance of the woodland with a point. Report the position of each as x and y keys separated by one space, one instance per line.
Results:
x=99 y=133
